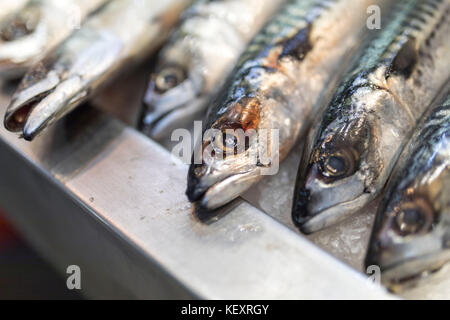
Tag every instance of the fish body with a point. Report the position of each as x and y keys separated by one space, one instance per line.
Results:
x=33 y=31
x=199 y=55
x=351 y=153
x=274 y=87
x=121 y=34
x=411 y=235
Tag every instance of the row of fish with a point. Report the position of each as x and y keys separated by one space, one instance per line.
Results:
x=269 y=65
x=118 y=35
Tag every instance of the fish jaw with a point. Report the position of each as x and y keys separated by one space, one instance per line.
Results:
x=54 y=106
x=26 y=98
x=310 y=223
x=214 y=183
x=166 y=111
x=318 y=204
x=405 y=261
x=225 y=191
x=35 y=108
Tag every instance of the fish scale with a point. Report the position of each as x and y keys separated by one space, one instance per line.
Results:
x=436 y=126
x=369 y=63
x=386 y=91
x=292 y=17
x=409 y=249
x=197 y=59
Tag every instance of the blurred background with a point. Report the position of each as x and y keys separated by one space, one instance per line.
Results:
x=24 y=274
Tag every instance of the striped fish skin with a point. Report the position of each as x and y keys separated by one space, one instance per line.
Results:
x=197 y=59
x=411 y=235
x=353 y=150
x=120 y=35
x=275 y=86
x=29 y=34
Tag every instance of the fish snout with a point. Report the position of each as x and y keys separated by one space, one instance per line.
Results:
x=195 y=188
x=305 y=198
x=300 y=213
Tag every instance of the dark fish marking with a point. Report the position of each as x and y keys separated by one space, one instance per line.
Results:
x=414 y=26
x=405 y=60
x=244 y=114
x=418 y=16
x=428 y=12
x=297 y=46
x=433 y=5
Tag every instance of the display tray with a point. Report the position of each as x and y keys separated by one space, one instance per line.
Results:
x=94 y=192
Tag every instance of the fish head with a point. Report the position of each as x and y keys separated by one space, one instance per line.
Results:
x=22 y=37
x=174 y=93
x=46 y=93
x=230 y=163
x=411 y=235
x=33 y=88
x=339 y=173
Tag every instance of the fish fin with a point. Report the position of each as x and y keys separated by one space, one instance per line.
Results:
x=297 y=46
x=405 y=60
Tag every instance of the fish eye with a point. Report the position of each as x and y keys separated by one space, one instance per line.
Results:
x=169 y=78
x=413 y=217
x=227 y=144
x=339 y=164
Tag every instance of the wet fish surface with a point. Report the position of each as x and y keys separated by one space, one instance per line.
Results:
x=411 y=235
x=33 y=31
x=118 y=36
x=274 y=87
x=197 y=59
x=353 y=149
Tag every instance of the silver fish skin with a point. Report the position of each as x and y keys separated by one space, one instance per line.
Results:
x=198 y=57
x=411 y=235
x=34 y=30
x=120 y=35
x=353 y=149
x=275 y=86
x=8 y=7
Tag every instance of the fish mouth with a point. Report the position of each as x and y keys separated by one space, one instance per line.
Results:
x=404 y=264
x=16 y=116
x=217 y=195
x=402 y=275
x=32 y=112
x=27 y=97
x=155 y=124
x=309 y=222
